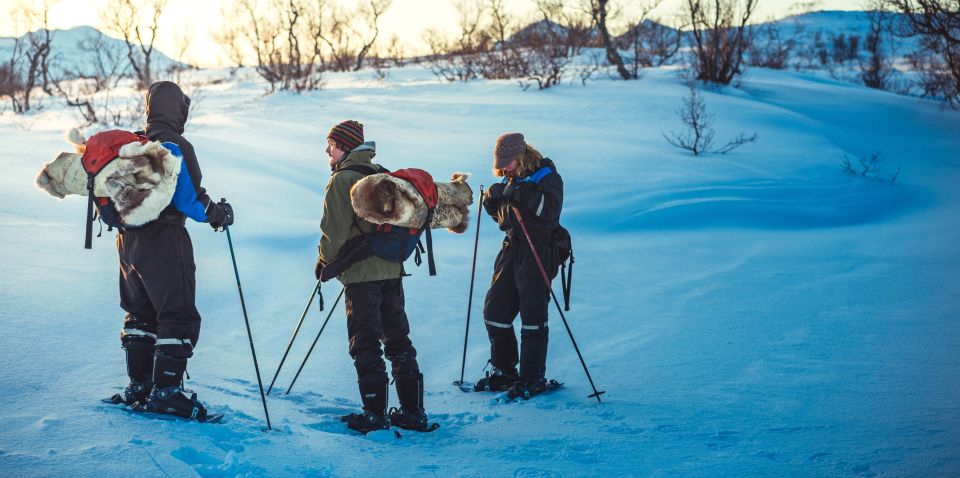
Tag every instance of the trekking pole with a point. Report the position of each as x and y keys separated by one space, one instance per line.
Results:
x=314 y=344
x=546 y=279
x=473 y=271
x=313 y=294
x=243 y=305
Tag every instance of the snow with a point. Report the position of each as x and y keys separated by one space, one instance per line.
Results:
x=760 y=313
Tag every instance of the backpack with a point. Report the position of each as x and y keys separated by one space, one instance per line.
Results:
x=390 y=242
x=101 y=149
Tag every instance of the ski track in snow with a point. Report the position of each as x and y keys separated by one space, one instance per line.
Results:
x=754 y=314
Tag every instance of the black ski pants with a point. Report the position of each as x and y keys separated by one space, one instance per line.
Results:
x=518 y=287
x=158 y=290
x=375 y=314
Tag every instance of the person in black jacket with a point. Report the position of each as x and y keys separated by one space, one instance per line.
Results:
x=157 y=273
x=532 y=185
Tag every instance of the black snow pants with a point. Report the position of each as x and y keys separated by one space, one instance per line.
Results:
x=518 y=287
x=157 y=291
x=375 y=314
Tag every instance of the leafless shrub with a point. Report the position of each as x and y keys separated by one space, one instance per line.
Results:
x=698 y=134
x=770 y=48
x=937 y=24
x=651 y=44
x=868 y=167
x=125 y=18
x=285 y=37
x=29 y=65
x=720 y=36
x=877 y=70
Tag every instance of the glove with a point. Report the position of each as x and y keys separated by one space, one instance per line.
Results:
x=220 y=215
x=318 y=270
x=495 y=191
x=510 y=191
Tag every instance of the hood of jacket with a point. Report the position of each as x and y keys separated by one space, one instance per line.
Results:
x=167 y=107
x=362 y=154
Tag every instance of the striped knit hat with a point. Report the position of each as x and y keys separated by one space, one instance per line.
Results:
x=348 y=134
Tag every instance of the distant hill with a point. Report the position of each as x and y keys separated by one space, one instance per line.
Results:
x=76 y=51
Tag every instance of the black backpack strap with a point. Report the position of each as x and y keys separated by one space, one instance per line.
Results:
x=566 y=281
x=430 y=264
x=88 y=239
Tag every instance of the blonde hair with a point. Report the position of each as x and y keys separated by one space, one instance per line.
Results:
x=527 y=163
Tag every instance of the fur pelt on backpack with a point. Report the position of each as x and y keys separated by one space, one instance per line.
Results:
x=385 y=199
x=140 y=181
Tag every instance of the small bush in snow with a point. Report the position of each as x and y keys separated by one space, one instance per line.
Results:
x=868 y=167
x=697 y=135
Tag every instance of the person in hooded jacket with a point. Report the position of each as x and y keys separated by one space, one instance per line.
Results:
x=531 y=184
x=157 y=272
x=373 y=292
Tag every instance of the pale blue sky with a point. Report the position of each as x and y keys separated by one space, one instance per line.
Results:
x=408 y=19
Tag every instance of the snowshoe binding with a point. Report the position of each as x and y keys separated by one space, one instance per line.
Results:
x=133 y=393
x=172 y=401
x=527 y=389
x=495 y=380
x=365 y=422
x=415 y=420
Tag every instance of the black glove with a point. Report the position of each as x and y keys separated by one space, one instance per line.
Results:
x=220 y=215
x=510 y=191
x=318 y=269
x=495 y=191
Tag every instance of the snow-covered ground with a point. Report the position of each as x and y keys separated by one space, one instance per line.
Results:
x=760 y=313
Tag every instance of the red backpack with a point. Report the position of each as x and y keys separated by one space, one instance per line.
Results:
x=101 y=149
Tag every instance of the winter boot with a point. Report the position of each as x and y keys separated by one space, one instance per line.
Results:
x=410 y=415
x=373 y=393
x=525 y=389
x=533 y=354
x=168 y=396
x=497 y=380
x=139 y=354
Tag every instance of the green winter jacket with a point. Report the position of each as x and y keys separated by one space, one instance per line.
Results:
x=340 y=223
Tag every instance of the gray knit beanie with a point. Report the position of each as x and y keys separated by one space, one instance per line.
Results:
x=508 y=147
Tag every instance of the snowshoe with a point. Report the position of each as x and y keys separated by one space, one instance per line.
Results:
x=411 y=420
x=133 y=393
x=171 y=400
x=496 y=381
x=141 y=410
x=525 y=390
x=365 y=422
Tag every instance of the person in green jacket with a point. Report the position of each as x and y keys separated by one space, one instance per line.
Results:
x=373 y=290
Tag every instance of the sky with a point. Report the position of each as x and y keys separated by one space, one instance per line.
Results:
x=408 y=19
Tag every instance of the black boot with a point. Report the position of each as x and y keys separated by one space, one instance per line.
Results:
x=139 y=354
x=533 y=355
x=410 y=415
x=167 y=395
x=373 y=393
x=497 y=380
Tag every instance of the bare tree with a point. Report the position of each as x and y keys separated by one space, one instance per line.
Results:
x=770 y=48
x=937 y=24
x=697 y=137
x=600 y=11
x=371 y=13
x=285 y=37
x=877 y=71
x=720 y=36
x=123 y=17
x=29 y=65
